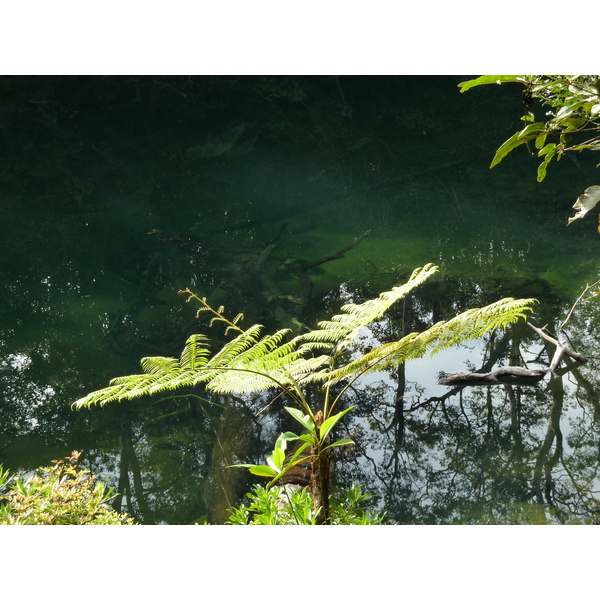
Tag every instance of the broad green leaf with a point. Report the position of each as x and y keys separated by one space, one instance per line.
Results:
x=284 y=438
x=291 y=465
x=565 y=111
x=275 y=461
x=298 y=452
x=564 y=141
x=585 y=202
x=263 y=471
x=573 y=123
x=303 y=419
x=329 y=424
x=530 y=132
x=301 y=449
x=540 y=140
x=547 y=149
x=542 y=167
x=344 y=442
x=489 y=79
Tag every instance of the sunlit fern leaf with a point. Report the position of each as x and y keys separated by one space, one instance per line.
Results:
x=247 y=351
x=267 y=364
x=343 y=329
x=468 y=325
x=250 y=362
x=245 y=381
x=160 y=374
x=477 y=322
x=121 y=388
x=195 y=353
x=374 y=309
x=253 y=362
x=157 y=365
x=245 y=340
x=303 y=370
x=263 y=346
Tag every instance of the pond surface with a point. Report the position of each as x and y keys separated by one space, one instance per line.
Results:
x=116 y=193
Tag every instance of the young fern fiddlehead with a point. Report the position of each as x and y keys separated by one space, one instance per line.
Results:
x=218 y=314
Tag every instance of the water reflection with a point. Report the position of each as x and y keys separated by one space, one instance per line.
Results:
x=494 y=454
x=121 y=192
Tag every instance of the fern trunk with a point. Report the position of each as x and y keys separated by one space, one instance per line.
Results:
x=321 y=479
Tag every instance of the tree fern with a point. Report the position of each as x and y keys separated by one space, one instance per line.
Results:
x=253 y=361
x=195 y=353
x=468 y=325
x=343 y=329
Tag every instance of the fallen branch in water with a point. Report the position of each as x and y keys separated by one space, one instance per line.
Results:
x=338 y=254
x=561 y=349
x=301 y=270
x=502 y=375
x=517 y=375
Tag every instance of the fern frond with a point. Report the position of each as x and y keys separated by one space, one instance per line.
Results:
x=219 y=313
x=121 y=388
x=157 y=365
x=267 y=364
x=247 y=363
x=343 y=329
x=195 y=352
x=371 y=310
x=244 y=381
x=234 y=323
x=477 y=322
x=240 y=344
x=305 y=371
x=468 y=325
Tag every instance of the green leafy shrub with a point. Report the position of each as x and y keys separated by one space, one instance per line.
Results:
x=281 y=505
x=58 y=495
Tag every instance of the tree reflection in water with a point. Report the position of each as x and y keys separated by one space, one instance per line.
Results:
x=488 y=454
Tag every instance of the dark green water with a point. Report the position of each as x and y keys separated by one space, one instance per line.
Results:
x=115 y=193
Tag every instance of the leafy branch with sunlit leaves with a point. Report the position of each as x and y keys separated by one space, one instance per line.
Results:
x=571 y=115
